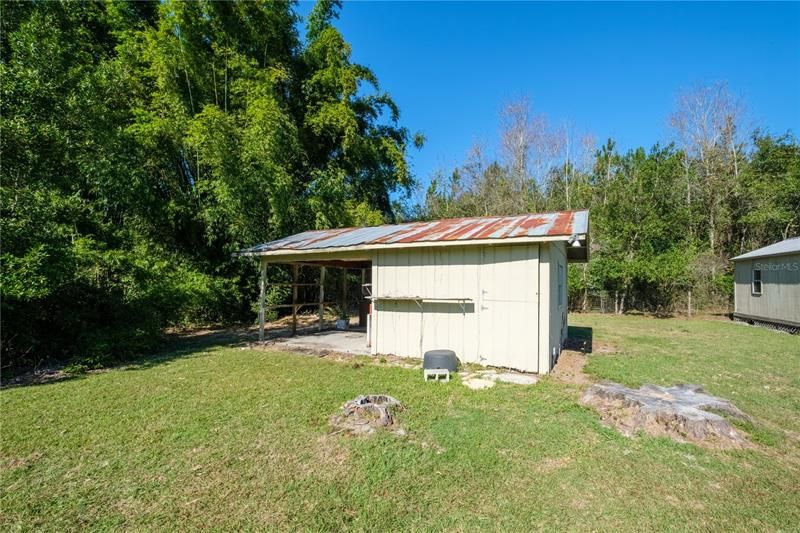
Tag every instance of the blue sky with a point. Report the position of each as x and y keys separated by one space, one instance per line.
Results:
x=612 y=69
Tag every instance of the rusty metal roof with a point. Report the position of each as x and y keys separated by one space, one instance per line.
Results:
x=454 y=230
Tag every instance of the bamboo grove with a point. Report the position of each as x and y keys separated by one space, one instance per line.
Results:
x=144 y=142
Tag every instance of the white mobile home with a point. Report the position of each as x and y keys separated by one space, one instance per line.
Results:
x=767 y=285
x=493 y=289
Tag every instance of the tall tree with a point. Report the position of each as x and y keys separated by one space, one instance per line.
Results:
x=707 y=122
x=354 y=158
x=143 y=142
x=771 y=189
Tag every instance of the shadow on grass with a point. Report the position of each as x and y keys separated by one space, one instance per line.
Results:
x=36 y=378
x=174 y=346
x=182 y=344
x=579 y=338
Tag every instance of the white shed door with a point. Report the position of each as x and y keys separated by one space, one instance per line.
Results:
x=508 y=306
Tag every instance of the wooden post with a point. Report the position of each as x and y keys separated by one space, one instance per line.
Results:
x=261 y=296
x=362 y=312
x=345 y=315
x=321 y=297
x=295 y=269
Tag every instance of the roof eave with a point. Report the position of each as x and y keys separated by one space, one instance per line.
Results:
x=400 y=245
x=744 y=257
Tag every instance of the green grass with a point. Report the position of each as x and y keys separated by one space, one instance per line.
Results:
x=226 y=438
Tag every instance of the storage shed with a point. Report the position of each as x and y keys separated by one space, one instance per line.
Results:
x=767 y=285
x=493 y=289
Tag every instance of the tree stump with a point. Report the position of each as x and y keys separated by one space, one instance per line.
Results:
x=366 y=413
x=683 y=412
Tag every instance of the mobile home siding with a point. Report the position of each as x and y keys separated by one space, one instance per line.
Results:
x=780 y=289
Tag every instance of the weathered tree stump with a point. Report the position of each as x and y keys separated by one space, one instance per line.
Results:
x=682 y=412
x=365 y=414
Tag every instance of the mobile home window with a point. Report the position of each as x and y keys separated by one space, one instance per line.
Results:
x=560 y=284
x=756 y=285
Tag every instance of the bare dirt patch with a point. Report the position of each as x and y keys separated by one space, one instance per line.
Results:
x=682 y=412
x=356 y=360
x=233 y=335
x=37 y=377
x=387 y=360
x=211 y=336
x=569 y=368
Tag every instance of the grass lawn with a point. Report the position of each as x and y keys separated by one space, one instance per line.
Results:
x=228 y=438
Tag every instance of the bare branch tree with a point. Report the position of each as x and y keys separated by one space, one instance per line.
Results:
x=707 y=125
x=527 y=148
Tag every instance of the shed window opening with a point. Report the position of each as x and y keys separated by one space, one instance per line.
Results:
x=560 y=284
x=756 y=284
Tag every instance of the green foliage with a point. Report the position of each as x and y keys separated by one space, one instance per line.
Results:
x=637 y=225
x=144 y=142
x=651 y=231
x=771 y=188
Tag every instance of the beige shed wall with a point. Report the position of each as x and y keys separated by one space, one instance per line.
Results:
x=401 y=327
x=552 y=315
x=507 y=323
x=780 y=288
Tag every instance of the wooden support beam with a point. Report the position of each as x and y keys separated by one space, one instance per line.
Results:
x=343 y=305
x=295 y=269
x=362 y=312
x=261 y=296
x=332 y=263
x=299 y=305
x=321 y=297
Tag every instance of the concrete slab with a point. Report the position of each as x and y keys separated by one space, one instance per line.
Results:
x=480 y=379
x=478 y=383
x=516 y=378
x=348 y=341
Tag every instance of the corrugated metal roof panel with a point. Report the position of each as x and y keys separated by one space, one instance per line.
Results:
x=789 y=246
x=455 y=230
